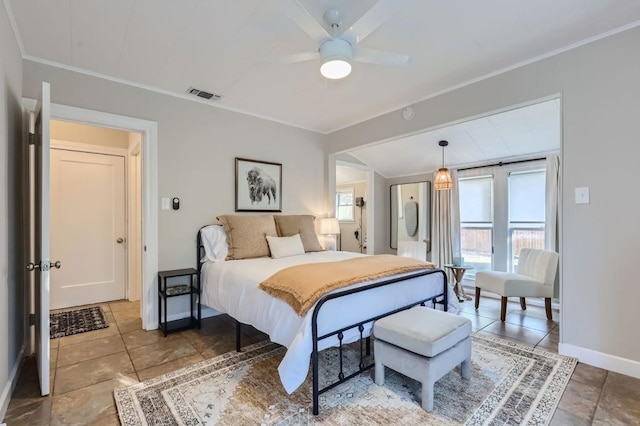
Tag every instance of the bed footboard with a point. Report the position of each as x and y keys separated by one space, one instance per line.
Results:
x=360 y=326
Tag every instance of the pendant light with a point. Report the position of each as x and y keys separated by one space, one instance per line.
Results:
x=443 y=180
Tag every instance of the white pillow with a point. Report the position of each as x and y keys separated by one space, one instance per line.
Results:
x=285 y=246
x=214 y=240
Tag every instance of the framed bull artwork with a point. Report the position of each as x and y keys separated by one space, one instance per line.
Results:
x=258 y=186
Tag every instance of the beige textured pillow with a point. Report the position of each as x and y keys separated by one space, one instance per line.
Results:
x=302 y=224
x=247 y=235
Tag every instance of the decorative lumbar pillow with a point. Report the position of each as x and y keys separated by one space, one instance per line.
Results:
x=246 y=235
x=285 y=246
x=214 y=241
x=288 y=225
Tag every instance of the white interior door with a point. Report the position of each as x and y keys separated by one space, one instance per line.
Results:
x=41 y=264
x=87 y=227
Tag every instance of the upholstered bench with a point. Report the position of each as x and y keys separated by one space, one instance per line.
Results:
x=424 y=344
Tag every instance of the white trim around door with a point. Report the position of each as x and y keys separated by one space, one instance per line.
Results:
x=149 y=131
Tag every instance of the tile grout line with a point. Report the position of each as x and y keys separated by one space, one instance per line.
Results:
x=599 y=397
x=126 y=348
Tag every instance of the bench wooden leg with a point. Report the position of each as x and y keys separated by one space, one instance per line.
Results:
x=523 y=304
x=547 y=306
x=503 y=309
x=477 y=297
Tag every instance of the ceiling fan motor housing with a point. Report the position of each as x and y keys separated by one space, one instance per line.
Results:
x=336 y=48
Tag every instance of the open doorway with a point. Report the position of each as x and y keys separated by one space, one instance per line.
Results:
x=514 y=153
x=95 y=214
x=351 y=206
x=146 y=166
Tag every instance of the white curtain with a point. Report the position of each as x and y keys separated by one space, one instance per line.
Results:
x=446 y=225
x=551 y=214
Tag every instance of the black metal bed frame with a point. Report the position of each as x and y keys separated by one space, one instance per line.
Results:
x=340 y=332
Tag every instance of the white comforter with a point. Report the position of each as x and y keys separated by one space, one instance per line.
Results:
x=232 y=287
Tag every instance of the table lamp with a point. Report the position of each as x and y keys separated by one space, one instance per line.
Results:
x=330 y=226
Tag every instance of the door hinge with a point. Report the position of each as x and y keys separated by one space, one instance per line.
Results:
x=32 y=319
x=145 y=248
x=32 y=138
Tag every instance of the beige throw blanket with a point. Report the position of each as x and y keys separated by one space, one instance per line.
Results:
x=301 y=286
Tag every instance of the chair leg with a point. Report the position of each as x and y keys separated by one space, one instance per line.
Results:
x=503 y=309
x=477 y=297
x=523 y=304
x=547 y=306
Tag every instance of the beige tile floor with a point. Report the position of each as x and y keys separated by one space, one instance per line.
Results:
x=85 y=368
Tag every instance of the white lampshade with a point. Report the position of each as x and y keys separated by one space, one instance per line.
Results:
x=329 y=226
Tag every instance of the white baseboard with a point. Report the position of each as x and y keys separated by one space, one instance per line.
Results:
x=12 y=381
x=615 y=363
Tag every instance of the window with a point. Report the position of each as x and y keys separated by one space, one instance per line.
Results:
x=344 y=205
x=476 y=223
x=502 y=210
x=526 y=213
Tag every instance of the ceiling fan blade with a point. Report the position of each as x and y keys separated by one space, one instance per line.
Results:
x=298 y=14
x=372 y=56
x=376 y=16
x=296 y=57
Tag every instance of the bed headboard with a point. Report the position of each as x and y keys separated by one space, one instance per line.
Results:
x=199 y=247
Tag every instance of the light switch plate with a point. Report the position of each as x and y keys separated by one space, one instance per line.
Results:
x=582 y=195
x=166 y=203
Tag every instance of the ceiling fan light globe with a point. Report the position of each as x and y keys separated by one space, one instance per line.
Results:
x=335 y=68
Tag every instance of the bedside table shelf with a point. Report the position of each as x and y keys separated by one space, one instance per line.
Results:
x=166 y=292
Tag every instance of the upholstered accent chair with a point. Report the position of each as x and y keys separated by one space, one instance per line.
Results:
x=535 y=278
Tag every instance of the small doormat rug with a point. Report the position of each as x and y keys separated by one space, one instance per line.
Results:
x=77 y=321
x=510 y=384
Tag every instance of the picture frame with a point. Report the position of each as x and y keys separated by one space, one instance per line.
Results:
x=258 y=186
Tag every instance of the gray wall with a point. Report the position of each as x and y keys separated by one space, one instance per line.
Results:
x=600 y=88
x=196 y=148
x=12 y=272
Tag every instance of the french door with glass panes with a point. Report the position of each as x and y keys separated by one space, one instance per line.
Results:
x=502 y=210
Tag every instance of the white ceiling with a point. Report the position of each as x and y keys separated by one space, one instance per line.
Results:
x=518 y=133
x=226 y=47
x=346 y=174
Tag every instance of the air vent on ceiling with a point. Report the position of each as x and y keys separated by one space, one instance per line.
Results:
x=203 y=94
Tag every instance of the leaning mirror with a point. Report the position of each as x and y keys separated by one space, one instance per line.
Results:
x=410 y=213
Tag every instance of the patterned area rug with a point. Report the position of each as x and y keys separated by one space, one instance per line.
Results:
x=77 y=321
x=510 y=384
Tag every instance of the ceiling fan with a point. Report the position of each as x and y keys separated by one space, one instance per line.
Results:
x=339 y=46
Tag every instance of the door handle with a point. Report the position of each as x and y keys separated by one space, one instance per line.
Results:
x=32 y=266
x=120 y=240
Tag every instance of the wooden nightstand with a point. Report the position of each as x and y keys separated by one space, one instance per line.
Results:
x=458 y=274
x=166 y=292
